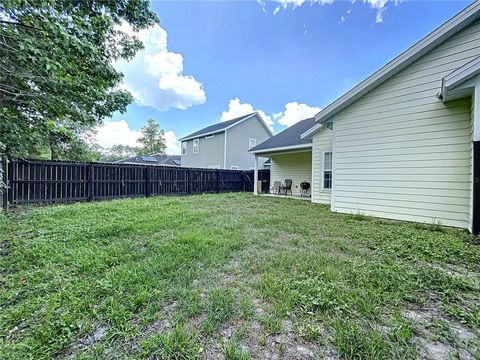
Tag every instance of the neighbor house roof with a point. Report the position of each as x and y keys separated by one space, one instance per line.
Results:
x=467 y=16
x=289 y=138
x=171 y=160
x=224 y=125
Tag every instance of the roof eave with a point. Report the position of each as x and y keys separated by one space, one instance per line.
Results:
x=308 y=134
x=186 y=138
x=452 y=26
x=460 y=81
x=280 y=148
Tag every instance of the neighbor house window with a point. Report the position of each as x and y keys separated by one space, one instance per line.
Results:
x=184 y=148
x=209 y=136
x=234 y=167
x=196 y=146
x=251 y=143
x=327 y=170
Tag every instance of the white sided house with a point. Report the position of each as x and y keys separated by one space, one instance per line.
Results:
x=405 y=143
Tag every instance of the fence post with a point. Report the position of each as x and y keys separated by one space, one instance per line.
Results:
x=147 y=181
x=5 y=181
x=243 y=180
x=90 y=183
x=189 y=185
x=217 y=174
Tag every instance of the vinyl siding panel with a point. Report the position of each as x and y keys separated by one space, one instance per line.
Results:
x=237 y=143
x=401 y=153
x=321 y=142
x=211 y=150
x=295 y=166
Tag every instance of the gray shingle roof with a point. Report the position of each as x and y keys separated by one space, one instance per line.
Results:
x=221 y=126
x=173 y=160
x=288 y=137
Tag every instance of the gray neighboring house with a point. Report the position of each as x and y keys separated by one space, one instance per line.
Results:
x=168 y=160
x=226 y=145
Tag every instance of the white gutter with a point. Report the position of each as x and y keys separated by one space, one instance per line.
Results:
x=225 y=150
x=282 y=148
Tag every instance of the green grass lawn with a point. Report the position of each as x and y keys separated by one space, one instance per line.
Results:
x=233 y=276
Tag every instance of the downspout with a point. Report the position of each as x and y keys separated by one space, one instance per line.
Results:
x=225 y=150
x=476 y=161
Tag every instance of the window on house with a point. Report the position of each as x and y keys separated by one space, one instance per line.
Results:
x=327 y=170
x=209 y=136
x=251 y=143
x=234 y=167
x=184 y=148
x=196 y=146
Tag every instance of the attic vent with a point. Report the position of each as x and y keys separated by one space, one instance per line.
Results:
x=149 y=158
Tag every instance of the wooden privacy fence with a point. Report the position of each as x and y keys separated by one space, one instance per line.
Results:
x=37 y=181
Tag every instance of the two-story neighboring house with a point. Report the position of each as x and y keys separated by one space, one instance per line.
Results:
x=225 y=145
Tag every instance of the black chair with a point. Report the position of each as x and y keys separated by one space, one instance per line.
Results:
x=277 y=185
x=287 y=186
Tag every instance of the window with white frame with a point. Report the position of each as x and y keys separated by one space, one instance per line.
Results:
x=251 y=143
x=196 y=146
x=327 y=170
x=233 y=167
x=184 y=148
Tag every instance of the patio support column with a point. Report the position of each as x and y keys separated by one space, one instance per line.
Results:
x=255 y=176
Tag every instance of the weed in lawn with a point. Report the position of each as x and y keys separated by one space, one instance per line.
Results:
x=232 y=351
x=179 y=344
x=272 y=324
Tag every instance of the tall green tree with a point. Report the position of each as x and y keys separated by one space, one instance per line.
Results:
x=56 y=66
x=152 y=139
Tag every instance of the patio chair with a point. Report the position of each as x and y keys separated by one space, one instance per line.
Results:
x=277 y=185
x=287 y=186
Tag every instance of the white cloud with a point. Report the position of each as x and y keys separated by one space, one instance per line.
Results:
x=172 y=143
x=237 y=109
x=294 y=112
x=116 y=132
x=379 y=5
x=119 y=133
x=155 y=75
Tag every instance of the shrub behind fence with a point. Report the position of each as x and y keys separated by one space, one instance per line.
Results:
x=38 y=181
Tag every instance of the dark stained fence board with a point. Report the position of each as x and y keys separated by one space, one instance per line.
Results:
x=37 y=181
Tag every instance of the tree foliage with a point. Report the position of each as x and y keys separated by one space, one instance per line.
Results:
x=152 y=139
x=56 y=73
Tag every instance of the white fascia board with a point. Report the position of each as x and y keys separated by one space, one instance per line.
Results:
x=460 y=79
x=439 y=35
x=308 y=134
x=281 y=148
x=202 y=135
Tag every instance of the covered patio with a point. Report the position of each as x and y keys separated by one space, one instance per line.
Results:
x=291 y=162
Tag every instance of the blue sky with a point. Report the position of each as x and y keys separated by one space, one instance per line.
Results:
x=211 y=60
